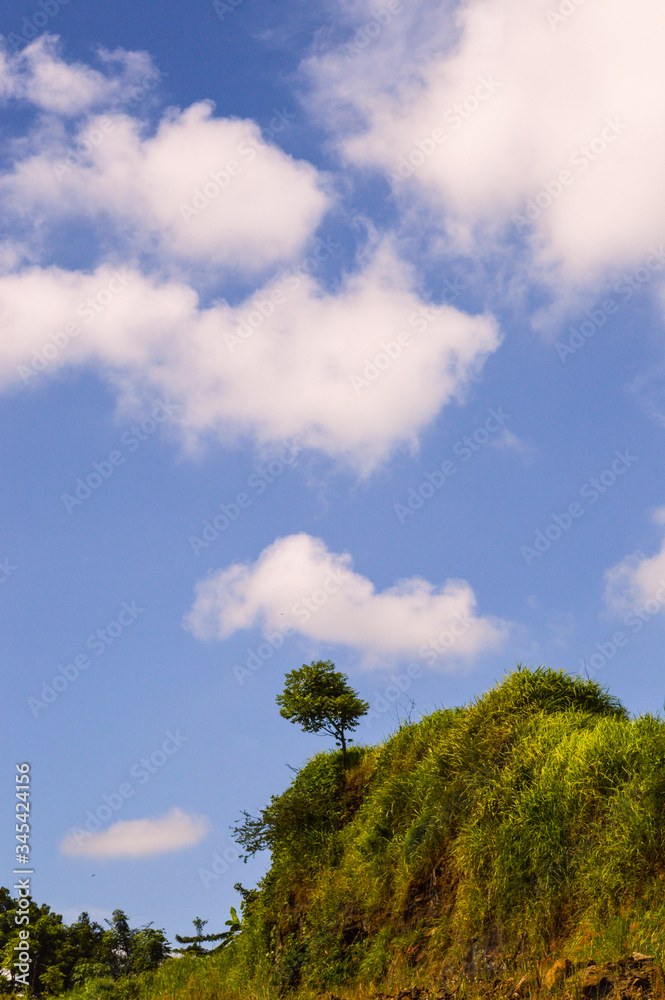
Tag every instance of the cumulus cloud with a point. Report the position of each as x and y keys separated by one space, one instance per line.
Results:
x=204 y=188
x=638 y=581
x=297 y=580
x=138 y=838
x=39 y=75
x=518 y=96
x=352 y=373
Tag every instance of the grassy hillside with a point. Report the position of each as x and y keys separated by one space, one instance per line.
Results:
x=524 y=833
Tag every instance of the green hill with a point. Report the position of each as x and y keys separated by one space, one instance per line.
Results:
x=523 y=834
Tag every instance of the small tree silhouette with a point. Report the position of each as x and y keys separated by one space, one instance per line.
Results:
x=196 y=942
x=319 y=698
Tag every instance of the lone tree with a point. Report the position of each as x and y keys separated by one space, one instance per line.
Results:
x=320 y=699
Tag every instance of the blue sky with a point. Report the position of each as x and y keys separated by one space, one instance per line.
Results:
x=328 y=332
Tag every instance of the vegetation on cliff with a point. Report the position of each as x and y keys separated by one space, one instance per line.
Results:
x=525 y=827
x=523 y=834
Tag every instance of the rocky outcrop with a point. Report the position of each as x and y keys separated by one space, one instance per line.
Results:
x=635 y=978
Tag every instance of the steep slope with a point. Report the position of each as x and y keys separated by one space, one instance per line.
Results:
x=493 y=850
x=526 y=827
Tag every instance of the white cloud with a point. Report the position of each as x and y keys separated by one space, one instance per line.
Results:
x=297 y=580
x=138 y=838
x=507 y=441
x=558 y=85
x=205 y=188
x=352 y=372
x=12 y=254
x=292 y=361
x=6 y=77
x=40 y=76
x=51 y=318
x=638 y=581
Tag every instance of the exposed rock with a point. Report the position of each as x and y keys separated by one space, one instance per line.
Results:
x=596 y=983
x=561 y=969
x=629 y=978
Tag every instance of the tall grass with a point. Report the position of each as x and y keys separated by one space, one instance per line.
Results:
x=524 y=827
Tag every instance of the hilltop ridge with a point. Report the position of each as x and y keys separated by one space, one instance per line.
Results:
x=510 y=842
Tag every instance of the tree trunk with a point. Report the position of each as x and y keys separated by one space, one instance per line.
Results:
x=341 y=736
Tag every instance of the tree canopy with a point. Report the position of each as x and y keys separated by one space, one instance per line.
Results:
x=65 y=956
x=320 y=699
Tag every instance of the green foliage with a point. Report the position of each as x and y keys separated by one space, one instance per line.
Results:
x=319 y=698
x=527 y=692
x=524 y=827
x=52 y=954
x=128 y=951
x=503 y=829
x=65 y=957
x=196 y=942
x=316 y=804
